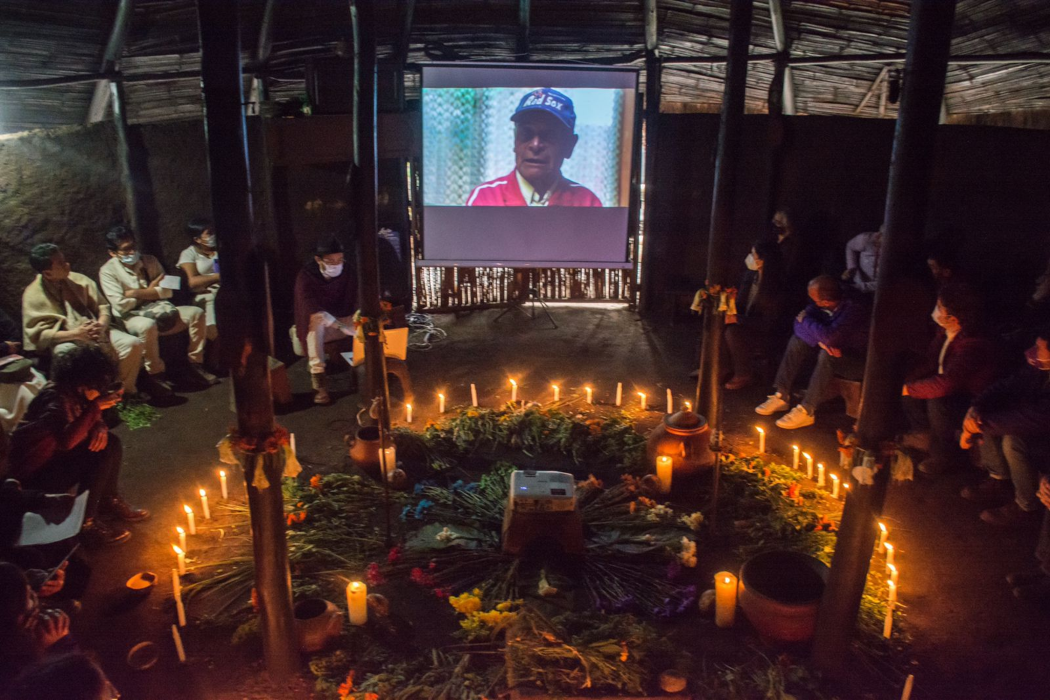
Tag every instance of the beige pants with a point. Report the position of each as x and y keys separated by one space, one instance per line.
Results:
x=126 y=350
x=323 y=327
x=206 y=301
x=191 y=318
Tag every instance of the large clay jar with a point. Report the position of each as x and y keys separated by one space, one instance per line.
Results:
x=317 y=622
x=685 y=437
x=780 y=592
x=364 y=449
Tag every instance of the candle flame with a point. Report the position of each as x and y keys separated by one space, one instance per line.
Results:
x=882 y=526
x=554 y=386
x=795 y=448
x=845 y=486
x=759 y=429
x=727 y=580
x=187 y=509
x=892 y=568
x=203 y=494
x=834 y=477
x=177 y=550
x=408 y=406
x=513 y=383
x=688 y=405
x=355 y=585
x=890 y=584
x=806 y=455
x=222 y=473
x=441 y=396
x=179 y=530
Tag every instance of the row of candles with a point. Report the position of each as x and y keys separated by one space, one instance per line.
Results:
x=643 y=399
x=837 y=486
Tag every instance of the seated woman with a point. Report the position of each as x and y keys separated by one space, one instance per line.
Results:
x=200 y=262
x=63 y=444
x=760 y=322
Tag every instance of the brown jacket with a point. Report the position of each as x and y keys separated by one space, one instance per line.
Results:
x=48 y=309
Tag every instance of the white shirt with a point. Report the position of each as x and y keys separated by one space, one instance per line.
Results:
x=116 y=278
x=205 y=263
x=529 y=194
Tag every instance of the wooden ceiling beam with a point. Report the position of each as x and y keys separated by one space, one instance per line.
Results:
x=110 y=57
x=871 y=90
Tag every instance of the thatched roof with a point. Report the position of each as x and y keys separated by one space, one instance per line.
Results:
x=57 y=38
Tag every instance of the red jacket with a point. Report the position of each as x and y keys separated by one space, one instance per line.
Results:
x=504 y=192
x=971 y=365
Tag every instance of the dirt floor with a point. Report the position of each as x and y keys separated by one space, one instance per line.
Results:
x=972 y=640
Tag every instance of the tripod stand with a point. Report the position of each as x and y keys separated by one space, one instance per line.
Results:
x=518 y=305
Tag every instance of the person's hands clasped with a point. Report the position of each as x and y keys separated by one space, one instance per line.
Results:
x=98 y=438
x=110 y=400
x=49 y=627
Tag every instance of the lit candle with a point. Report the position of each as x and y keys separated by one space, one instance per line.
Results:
x=441 y=403
x=887 y=627
x=663 y=472
x=809 y=465
x=619 y=393
x=182 y=559
x=182 y=538
x=688 y=406
x=725 y=599
x=590 y=394
x=889 y=556
x=222 y=485
x=883 y=533
x=357 y=602
x=408 y=413
x=845 y=487
x=178 y=644
x=557 y=391
x=513 y=390
x=834 y=485
x=891 y=587
x=670 y=401
x=641 y=401
x=474 y=395
x=388 y=460
x=820 y=474
x=894 y=574
x=176 y=588
x=291 y=443
x=761 y=439
x=794 y=457
x=909 y=683
x=204 y=505
x=190 y=520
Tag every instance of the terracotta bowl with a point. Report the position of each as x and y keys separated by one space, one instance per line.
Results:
x=780 y=592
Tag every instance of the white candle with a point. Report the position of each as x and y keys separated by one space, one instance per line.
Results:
x=182 y=538
x=190 y=520
x=513 y=391
x=725 y=599
x=889 y=556
x=891 y=587
x=761 y=439
x=809 y=465
x=670 y=401
x=357 y=602
x=182 y=559
x=474 y=395
x=794 y=457
x=388 y=461
x=909 y=683
x=222 y=485
x=408 y=413
x=176 y=583
x=883 y=533
x=176 y=588
x=894 y=573
x=178 y=644
x=887 y=627
x=820 y=474
x=590 y=394
x=619 y=393
x=291 y=443
x=834 y=485
x=557 y=391
x=441 y=403
x=204 y=505
x=663 y=472
x=641 y=401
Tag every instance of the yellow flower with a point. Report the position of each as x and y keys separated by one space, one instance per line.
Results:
x=466 y=604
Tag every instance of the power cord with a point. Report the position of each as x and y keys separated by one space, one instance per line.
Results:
x=422 y=333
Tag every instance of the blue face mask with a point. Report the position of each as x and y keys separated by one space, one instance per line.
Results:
x=130 y=259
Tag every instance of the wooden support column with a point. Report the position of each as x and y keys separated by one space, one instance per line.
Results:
x=128 y=174
x=110 y=56
x=786 y=82
x=653 y=89
x=900 y=283
x=524 y=26
x=243 y=308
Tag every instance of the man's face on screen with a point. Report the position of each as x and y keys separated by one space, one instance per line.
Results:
x=541 y=143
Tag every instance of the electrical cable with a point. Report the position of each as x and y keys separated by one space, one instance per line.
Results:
x=422 y=333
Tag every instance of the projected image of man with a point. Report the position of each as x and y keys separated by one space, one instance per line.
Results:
x=544 y=137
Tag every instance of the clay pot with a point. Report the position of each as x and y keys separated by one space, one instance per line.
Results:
x=686 y=438
x=780 y=592
x=364 y=449
x=317 y=622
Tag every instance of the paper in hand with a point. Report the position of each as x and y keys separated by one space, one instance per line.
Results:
x=36 y=530
x=171 y=282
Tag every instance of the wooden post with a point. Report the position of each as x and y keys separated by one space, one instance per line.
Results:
x=127 y=167
x=110 y=56
x=243 y=308
x=896 y=315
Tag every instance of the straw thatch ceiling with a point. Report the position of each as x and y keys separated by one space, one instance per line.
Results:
x=56 y=38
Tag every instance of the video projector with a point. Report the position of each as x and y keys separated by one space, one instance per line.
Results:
x=542 y=491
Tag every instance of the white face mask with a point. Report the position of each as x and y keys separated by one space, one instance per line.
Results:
x=331 y=270
x=749 y=261
x=939 y=317
x=208 y=241
x=130 y=259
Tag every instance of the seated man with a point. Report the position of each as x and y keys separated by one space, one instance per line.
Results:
x=1014 y=414
x=200 y=262
x=834 y=328
x=63 y=444
x=325 y=299
x=131 y=283
x=30 y=632
x=62 y=309
x=862 y=260
x=960 y=365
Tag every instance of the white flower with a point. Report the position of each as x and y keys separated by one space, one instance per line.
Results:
x=445 y=536
x=693 y=521
x=688 y=554
x=657 y=512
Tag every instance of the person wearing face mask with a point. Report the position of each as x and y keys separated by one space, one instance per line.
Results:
x=833 y=329
x=62 y=443
x=200 y=263
x=325 y=299
x=131 y=283
x=960 y=363
x=1013 y=415
x=758 y=322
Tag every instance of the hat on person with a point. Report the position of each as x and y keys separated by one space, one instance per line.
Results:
x=551 y=101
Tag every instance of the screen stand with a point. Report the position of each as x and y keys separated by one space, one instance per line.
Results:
x=518 y=305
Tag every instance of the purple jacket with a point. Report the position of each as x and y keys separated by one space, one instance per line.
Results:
x=1019 y=405
x=846 y=328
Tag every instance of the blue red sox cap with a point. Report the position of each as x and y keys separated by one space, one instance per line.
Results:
x=551 y=101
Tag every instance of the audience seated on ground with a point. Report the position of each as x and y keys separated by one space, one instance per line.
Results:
x=63 y=444
x=325 y=301
x=1012 y=417
x=833 y=329
x=862 y=260
x=960 y=364
x=62 y=309
x=30 y=632
x=131 y=283
x=200 y=262
x=69 y=676
x=760 y=321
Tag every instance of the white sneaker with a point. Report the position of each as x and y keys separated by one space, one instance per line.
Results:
x=798 y=417
x=772 y=404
